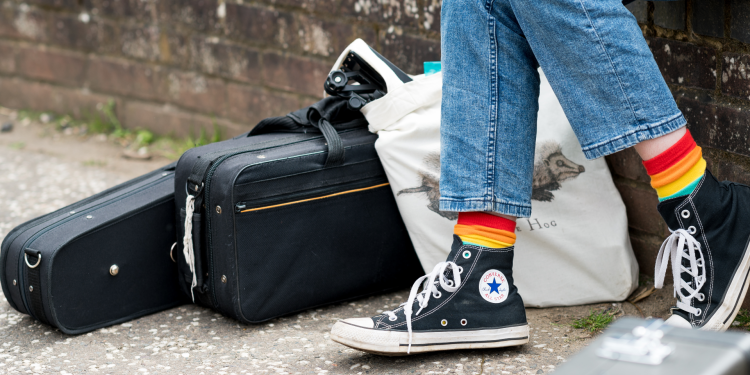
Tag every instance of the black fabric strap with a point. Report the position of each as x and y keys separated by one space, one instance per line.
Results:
x=335 y=144
x=34 y=288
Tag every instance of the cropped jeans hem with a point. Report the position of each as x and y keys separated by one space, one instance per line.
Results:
x=630 y=139
x=484 y=205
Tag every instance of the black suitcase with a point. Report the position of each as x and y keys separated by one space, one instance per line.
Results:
x=98 y=262
x=296 y=214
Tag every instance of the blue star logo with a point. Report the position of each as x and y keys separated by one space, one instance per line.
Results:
x=494 y=285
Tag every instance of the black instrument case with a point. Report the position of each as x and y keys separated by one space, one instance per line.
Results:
x=296 y=214
x=98 y=262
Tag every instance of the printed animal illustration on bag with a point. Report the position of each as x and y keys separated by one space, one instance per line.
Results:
x=431 y=185
x=551 y=168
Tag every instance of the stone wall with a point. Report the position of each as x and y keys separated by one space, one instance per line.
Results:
x=703 y=50
x=175 y=66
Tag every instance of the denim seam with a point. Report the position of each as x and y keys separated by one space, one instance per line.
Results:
x=515 y=209
x=611 y=63
x=460 y=200
x=492 y=128
x=640 y=129
x=482 y=199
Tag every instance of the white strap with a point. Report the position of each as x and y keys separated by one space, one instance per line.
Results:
x=187 y=241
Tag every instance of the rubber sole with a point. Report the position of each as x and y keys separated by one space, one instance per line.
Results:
x=396 y=343
x=730 y=305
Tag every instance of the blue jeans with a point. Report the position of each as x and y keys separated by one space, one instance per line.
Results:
x=597 y=62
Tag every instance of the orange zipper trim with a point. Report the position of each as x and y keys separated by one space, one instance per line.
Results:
x=314 y=199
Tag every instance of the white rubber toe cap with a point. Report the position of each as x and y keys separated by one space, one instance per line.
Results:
x=360 y=322
x=678 y=321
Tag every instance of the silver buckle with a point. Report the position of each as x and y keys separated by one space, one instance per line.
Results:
x=642 y=345
x=26 y=259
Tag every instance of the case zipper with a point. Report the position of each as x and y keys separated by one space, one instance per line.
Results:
x=305 y=196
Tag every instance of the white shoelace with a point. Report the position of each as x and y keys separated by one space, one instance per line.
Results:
x=187 y=241
x=430 y=290
x=682 y=245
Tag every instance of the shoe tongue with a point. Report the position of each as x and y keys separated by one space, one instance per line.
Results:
x=455 y=248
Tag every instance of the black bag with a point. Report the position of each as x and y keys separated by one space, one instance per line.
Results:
x=98 y=262
x=296 y=214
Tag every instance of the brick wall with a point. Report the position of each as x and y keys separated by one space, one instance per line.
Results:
x=175 y=66
x=703 y=50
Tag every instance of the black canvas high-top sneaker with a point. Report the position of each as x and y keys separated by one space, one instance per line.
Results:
x=469 y=302
x=708 y=249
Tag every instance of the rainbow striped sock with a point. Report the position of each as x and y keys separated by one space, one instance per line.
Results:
x=677 y=171
x=486 y=230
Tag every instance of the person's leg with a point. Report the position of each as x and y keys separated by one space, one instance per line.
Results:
x=490 y=95
x=489 y=111
x=601 y=69
x=595 y=57
x=653 y=147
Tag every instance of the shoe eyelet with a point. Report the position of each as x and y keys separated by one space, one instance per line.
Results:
x=444 y=322
x=393 y=318
x=685 y=214
x=467 y=254
x=438 y=295
x=460 y=270
x=463 y=322
x=699 y=262
x=698 y=313
x=700 y=297
x=691 y=229
x=449 y=283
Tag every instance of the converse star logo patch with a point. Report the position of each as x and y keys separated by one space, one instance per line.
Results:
x=493 y=286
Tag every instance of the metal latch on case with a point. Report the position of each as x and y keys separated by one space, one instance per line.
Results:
x=642 y=345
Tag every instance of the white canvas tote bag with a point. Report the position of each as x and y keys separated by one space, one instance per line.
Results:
x=574 y=249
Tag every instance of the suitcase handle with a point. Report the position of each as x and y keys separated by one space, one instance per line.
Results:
x=334 y=142
x=329 y=116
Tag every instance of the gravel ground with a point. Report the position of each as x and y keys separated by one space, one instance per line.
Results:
x=43 y=170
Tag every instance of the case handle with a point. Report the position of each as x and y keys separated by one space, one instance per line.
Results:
x=335 y=144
